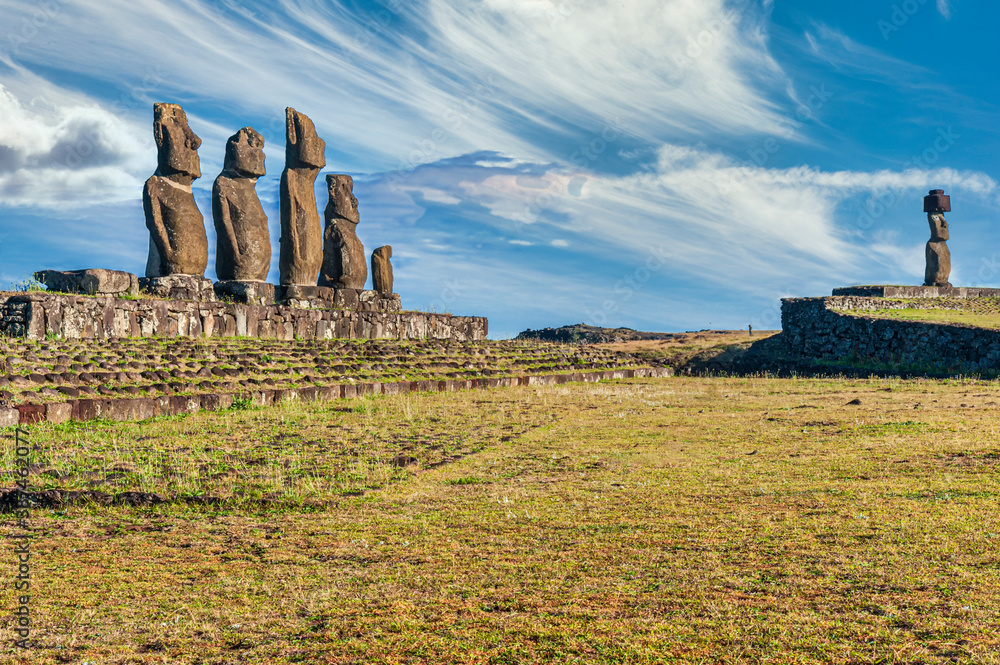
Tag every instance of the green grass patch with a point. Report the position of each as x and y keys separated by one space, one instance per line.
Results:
x=727 y=520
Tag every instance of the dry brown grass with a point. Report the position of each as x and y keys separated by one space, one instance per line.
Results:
x=674 y=520
x=683 y=347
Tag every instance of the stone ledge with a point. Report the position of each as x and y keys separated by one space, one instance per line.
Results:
x=92 y=281
x=179 y=287
x=36 y=315
x=245 y=292
x=143 y=408
x=822 y=329
x=886 y=291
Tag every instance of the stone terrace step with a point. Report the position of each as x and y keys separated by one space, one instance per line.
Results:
x=138 y=378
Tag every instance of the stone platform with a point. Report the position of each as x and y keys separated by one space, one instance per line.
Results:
x=886 y=291
x=37 y=315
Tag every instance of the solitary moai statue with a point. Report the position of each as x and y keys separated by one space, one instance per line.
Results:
x=938 y=255
x=244 y=245
x=382 y=269
x=178 y=244
x=343 y=254
x=301 y=242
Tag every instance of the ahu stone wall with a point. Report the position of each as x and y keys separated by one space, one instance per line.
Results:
x=824 y=329
x=38 y=315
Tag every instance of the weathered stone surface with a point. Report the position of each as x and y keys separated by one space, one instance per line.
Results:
x=9 y=417
x=301 y=242
x=879 y=291
x=144 y=408
x=822 y=328
x=343 y=254
x=93 y=281
x=244 y=245
x=938 y=255
x=32 y=315
x=31 y=414
x=178 y=244
x=179 y=287
x=246 y=292
x=58 y=412
x=382 y=269
x=306 y=297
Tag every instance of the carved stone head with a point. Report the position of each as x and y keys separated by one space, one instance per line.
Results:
x=303 y=148
x=177 y=146
x=245 y=154
x=341 y=189
x=939 y=227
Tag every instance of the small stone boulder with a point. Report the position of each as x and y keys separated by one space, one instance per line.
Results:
x=91 y=282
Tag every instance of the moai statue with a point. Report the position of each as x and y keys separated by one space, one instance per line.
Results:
x=301 y=242
x=343 y=254
x=178 y=244
x=938 y=255
x=244 y=245
x=382 y=269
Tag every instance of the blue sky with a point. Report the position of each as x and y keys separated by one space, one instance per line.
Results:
x=658 y=164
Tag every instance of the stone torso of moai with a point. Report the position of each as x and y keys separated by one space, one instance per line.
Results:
x=343 y=254
x=382 y=269
x=178 y=244
x=301 y=242
x=938 y=256
x=244 y=245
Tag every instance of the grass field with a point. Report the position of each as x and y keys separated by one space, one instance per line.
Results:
x=978 y=312
x=681 y=348
x=672 y=520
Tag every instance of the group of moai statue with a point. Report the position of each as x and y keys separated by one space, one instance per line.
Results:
x=310 y=254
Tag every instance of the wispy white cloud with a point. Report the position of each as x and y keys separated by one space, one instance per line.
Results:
x=420 y=82
x=944 y=6
x=728 y=223
x=58 y=152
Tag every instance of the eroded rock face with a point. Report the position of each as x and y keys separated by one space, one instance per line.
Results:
x=243 y=252
x=343 y=254
x=301 y=243
x=93 y=282
x=382 y=269
x=938 y=255
x=178 y=244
